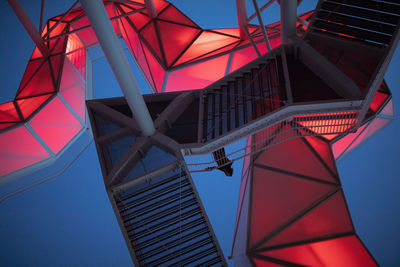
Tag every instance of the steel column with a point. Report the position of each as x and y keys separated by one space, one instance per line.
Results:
x=97 y=15
x=288 y=19
x=242 y=18
x=29 y=27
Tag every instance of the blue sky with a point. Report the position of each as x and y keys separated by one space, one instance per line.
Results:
x=69 y=221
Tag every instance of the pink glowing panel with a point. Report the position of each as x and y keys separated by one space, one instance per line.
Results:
x=261 y=263
x=19 y=149
x=231 y=31
x=160 y=5
x=219 y=51
x=378 y=101
x=388 y=109
x=242 y=57
x=206 y=43
x=175 y=38
x=57 y=46
x=72 y=88
x=111 y=14
x=6 y=125
x=278 y=198
x=31 y=69
x=345 y=252
x=197 y=76
x=328 y=218
x=31 y=104
x=156 y=70
x=340 y=145
x=56 y=62
x=324 y=151
x=88 y=37
x=8 y=112
x=173 y=14
x=56 y=125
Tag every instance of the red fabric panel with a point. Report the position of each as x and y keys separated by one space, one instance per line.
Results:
x=205 y=43
x=324 y=151
x=345 y=252
x=156 y=70
x=388 y=109
x=149 y=34
x=130 y=36
x=6 y=125
x=78 y=58
x=242 y=57
x=33 y=66
x=41 y=82
x=56 y=125
x=175 y=38
x=8 y=112
x=378 y=101
x=138 y=19
x=87 y=35
x=160 y=5
x=72 y=88
x=230 y=31
x=57 y=45
x=57 y=30
x=73 y=43
x=328 y=218
x=29 y=105
x=144 y=65
x=197 y=76
x=278 y=198
x=173 y=14
x=261 y=263
x=295 y=156
x=340 y=145
x=19 y=149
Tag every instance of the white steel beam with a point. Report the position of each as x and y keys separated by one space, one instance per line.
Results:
x=242 y=18
x=101 y=24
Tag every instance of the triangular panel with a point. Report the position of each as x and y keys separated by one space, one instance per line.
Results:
x=150 y=35
x=171 y=13
x=41 y=82
x=29 y=105
x=8 y=112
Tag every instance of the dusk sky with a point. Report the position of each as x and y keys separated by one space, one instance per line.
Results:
x=68 y=221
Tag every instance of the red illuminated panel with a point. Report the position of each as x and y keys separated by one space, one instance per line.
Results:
x=295 y=156
x=57 y=45
x=160 y=5
x=72 y=88
x=242 y=57
x=156 y=70
x=56 y=62
x=6 y=125
x=56 y=125
x=340 y=145
x=378 y=101
x=175 y=38
x=197 y=76
x=36 y=53
x=31 y=69
x=138 y=19
x=41 y=82
x=29 y=105
x=150 y=35
x=345 y=252
x=261 y=263
x=8 y=112
x=219 y=51
x=324 y=151
x=173 y=14
x=278 y=198
x=87 y=35
x=57 y=30
x=205 y=43
x=71 y=16
x=330 y=137
x=19 y=149
x=327 y=123
x=328 y=218
x=230 y=31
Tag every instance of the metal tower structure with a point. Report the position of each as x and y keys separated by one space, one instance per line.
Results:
x=301 y=93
